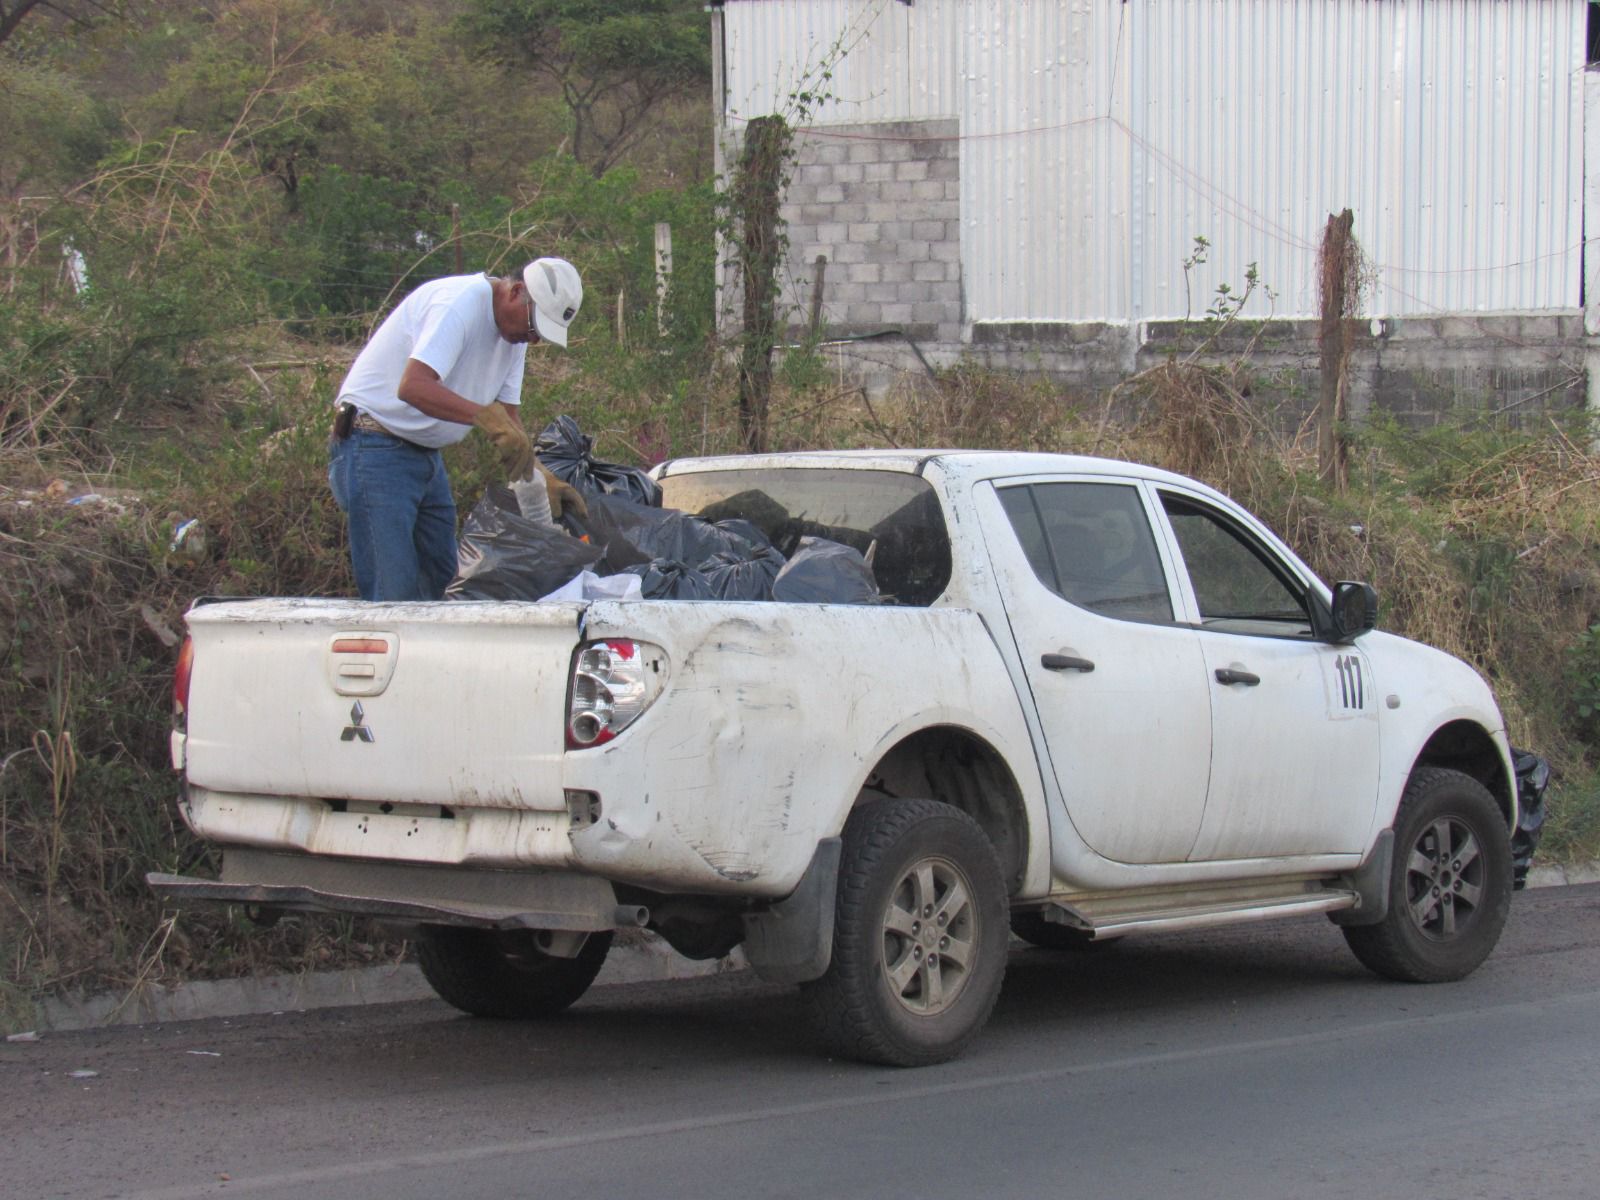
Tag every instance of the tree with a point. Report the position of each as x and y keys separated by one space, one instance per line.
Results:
x=83 y=13
x=11 y=16
x=615 y=61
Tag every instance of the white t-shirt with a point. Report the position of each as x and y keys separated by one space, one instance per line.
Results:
x=447 y=324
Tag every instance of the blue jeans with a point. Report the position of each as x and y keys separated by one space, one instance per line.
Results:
x=402 y=515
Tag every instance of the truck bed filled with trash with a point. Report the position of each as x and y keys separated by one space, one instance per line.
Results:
x=627 y=546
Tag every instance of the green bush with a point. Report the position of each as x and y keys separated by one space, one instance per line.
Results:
x=1583 y=681
x=358 y=238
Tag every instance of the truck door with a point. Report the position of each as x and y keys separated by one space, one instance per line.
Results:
x=1294 y=748
x=1119 y=687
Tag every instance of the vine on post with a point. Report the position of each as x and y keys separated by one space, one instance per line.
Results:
x=758 y=248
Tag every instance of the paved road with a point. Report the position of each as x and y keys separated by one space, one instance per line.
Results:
x=1258 y=1062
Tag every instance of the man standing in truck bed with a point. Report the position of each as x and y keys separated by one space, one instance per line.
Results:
x=448 y=358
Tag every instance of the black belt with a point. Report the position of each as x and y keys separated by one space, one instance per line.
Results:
x=350 y=418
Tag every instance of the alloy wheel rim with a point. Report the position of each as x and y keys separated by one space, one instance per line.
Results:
x=930 y=933
x=1444 y=878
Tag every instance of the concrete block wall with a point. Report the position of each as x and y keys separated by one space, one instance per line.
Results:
x=882 y=203
x=1515 y=369
x=1087 y=355
x=1419 y=371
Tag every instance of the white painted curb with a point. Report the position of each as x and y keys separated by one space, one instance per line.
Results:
x=1561 y=876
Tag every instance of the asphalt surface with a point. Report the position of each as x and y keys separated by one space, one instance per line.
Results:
x=1252 y=1062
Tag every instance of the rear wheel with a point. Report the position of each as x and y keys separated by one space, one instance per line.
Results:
x=1450 y=886
x=494 y=973
x=919 y=942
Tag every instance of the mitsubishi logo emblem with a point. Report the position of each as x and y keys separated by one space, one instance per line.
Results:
x=356 y=731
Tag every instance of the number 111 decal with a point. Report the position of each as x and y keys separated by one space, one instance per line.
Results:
x=1352 y=682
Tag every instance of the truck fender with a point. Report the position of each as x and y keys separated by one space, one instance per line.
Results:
x=792 y=940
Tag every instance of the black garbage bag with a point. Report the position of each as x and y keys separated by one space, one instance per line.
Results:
x=663 y=579
x=631 y=532
x=825 y=572
x=744 y=530
x=504 y=556
x=1533 y=776
x=567 y=451
x=602 y=530
x=746 y=576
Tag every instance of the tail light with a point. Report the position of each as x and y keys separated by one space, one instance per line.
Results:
x=180 y=684
x=612 y=683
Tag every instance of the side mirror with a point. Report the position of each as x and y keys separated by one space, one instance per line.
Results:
x=1355 y=610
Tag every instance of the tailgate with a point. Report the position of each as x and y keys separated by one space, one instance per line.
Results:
x=445 y=703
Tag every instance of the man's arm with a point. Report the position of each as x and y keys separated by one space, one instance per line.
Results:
x=420 y=388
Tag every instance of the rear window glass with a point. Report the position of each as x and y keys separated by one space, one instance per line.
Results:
x=892 y=518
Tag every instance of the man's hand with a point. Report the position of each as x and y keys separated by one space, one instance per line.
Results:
x=509 y=438
x=563 y=496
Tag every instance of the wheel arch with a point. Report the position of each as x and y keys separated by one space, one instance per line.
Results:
x=961 y=768
x=1466 y=746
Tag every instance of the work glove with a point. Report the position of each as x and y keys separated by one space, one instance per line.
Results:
x=563 y=496
x=510 y=440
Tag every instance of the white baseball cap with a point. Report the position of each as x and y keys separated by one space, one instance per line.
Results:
x=557 y=294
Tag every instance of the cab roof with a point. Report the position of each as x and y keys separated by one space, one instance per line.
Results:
x=948 y=464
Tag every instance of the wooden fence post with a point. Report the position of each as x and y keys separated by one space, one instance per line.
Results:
x=663 y=274
x=1337 y=267
x=816 y=293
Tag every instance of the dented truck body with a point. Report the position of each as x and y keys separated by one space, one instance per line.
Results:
x=1102 y=688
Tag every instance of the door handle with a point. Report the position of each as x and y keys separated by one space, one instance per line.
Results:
x=1229 y=675
x=1066 y=662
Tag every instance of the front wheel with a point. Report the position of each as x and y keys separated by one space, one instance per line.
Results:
x=1450 y=887
x=494 y=973
x=919 y=941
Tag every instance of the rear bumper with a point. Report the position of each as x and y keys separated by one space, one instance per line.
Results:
x=527 y=899
x=632 y=845
x=470 y=836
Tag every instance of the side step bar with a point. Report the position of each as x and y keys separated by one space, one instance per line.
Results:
x=1109 y=916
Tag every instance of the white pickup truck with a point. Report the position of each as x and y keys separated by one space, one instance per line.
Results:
x=1095 y=699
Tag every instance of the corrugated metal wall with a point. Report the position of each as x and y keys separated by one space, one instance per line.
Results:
x=1452 y=129
x=1099 y=138
x=778 y=49
x=1044 y=197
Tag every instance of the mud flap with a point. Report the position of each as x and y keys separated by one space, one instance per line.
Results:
x=792 y=942
x=1370 y=882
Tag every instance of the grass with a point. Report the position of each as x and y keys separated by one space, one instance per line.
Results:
x=1572 y=829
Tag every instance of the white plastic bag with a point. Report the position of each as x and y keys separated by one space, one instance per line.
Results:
x=589 y=586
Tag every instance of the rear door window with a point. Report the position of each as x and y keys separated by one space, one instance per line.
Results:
x=1091 y=543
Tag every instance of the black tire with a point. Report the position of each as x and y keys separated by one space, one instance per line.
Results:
x=490 y=973
x=919 y=937
x=1447 y=903
x=1032 y=928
